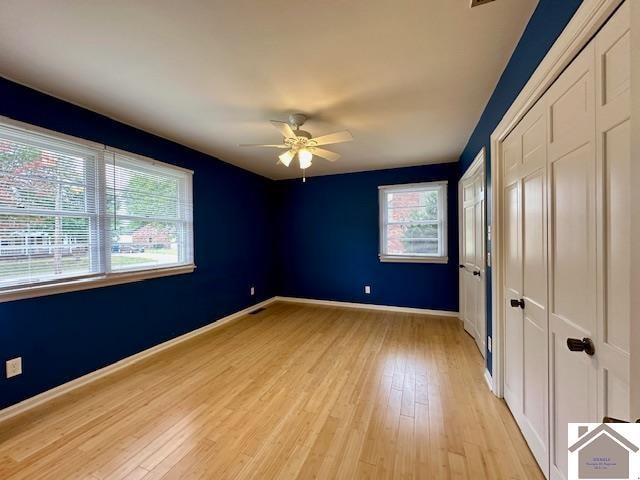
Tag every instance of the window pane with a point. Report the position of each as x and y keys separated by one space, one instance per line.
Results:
x=42 y=248
x=47 y=210
x=135 y=191
x=143 y=244
x=412 y=239
x=32 y=177
x=414 y=220
x=66 y=207
x=412 y=206
x=147 y=214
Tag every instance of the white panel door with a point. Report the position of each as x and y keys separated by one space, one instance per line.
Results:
x=468 y=255
x=526 y=282
x=472 y=269
x=514 y=346
x=479 y=277
x=535 y=397
x=572 y=252
x=613 y=154
x=567 y=250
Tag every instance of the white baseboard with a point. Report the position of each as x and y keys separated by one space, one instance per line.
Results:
x=368 y=306
x=43 y=397
x=489 y=379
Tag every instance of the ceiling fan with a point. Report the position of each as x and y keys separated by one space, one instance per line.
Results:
x=301 y=143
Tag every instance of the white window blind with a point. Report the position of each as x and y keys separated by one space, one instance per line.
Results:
x=48 y=209
x=413 y=222
x=148 y=213
x=71 y=210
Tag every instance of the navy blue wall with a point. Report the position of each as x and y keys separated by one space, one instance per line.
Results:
x=544 y=27
x=61 y=337
x=326 y=232
x=328 y=241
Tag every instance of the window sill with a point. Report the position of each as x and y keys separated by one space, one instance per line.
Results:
x=93 y=282
x=408 y=259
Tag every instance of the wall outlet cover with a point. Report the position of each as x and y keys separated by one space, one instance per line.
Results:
x=367 y=289
x=14 y=367
x=253 y=291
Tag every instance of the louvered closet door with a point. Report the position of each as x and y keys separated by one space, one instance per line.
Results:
x=527 y=356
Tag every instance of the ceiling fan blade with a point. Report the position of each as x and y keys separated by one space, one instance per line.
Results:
x=262 y=145
x=284 y=128
x=337 y=137
x=321 y=152
x=286 y=157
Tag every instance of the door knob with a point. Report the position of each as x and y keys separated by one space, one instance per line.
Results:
x=517 y=303
x=461 y=266
x=585 y=345
x=477 y=273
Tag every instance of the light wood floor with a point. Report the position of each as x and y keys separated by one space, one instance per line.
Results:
x=293 y=392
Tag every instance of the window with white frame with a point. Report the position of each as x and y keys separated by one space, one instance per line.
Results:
x=413 y=222
x=71 y=210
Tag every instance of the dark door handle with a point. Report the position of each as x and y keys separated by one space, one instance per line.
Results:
x=585 y=345
x=517 y=303
x=461 y=266
x=477 y=273
x=615 y=420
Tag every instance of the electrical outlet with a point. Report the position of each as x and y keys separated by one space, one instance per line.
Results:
x=14 y=367
x=489 y=344
x=367 y=289
x=253 y=291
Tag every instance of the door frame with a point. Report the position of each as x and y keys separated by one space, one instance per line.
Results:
x=588 y=19
x=635 y=212
x=478 y=165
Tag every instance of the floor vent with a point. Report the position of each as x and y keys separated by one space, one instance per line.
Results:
x=257 y=311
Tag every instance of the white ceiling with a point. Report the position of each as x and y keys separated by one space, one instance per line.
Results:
x=409 y=78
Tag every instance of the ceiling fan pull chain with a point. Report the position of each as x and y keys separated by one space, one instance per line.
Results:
x=304 y=176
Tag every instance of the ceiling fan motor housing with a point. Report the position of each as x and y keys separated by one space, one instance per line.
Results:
x=303 y=133
x=296 y=120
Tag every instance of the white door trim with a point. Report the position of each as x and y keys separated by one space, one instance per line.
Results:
x=635 y=212
x=588 y=19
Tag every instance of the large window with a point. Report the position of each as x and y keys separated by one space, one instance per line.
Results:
x=76 y=212
x=413 y=223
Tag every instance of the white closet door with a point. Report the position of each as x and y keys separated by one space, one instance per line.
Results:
x=514 y=347
x=526 y=281
x=613 y=119
x=567 y=250
x=535 y=333
x=572 y=251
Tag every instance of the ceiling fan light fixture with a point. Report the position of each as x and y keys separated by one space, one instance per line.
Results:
x=286 y=158
x=304 y=157
x=302 y=143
